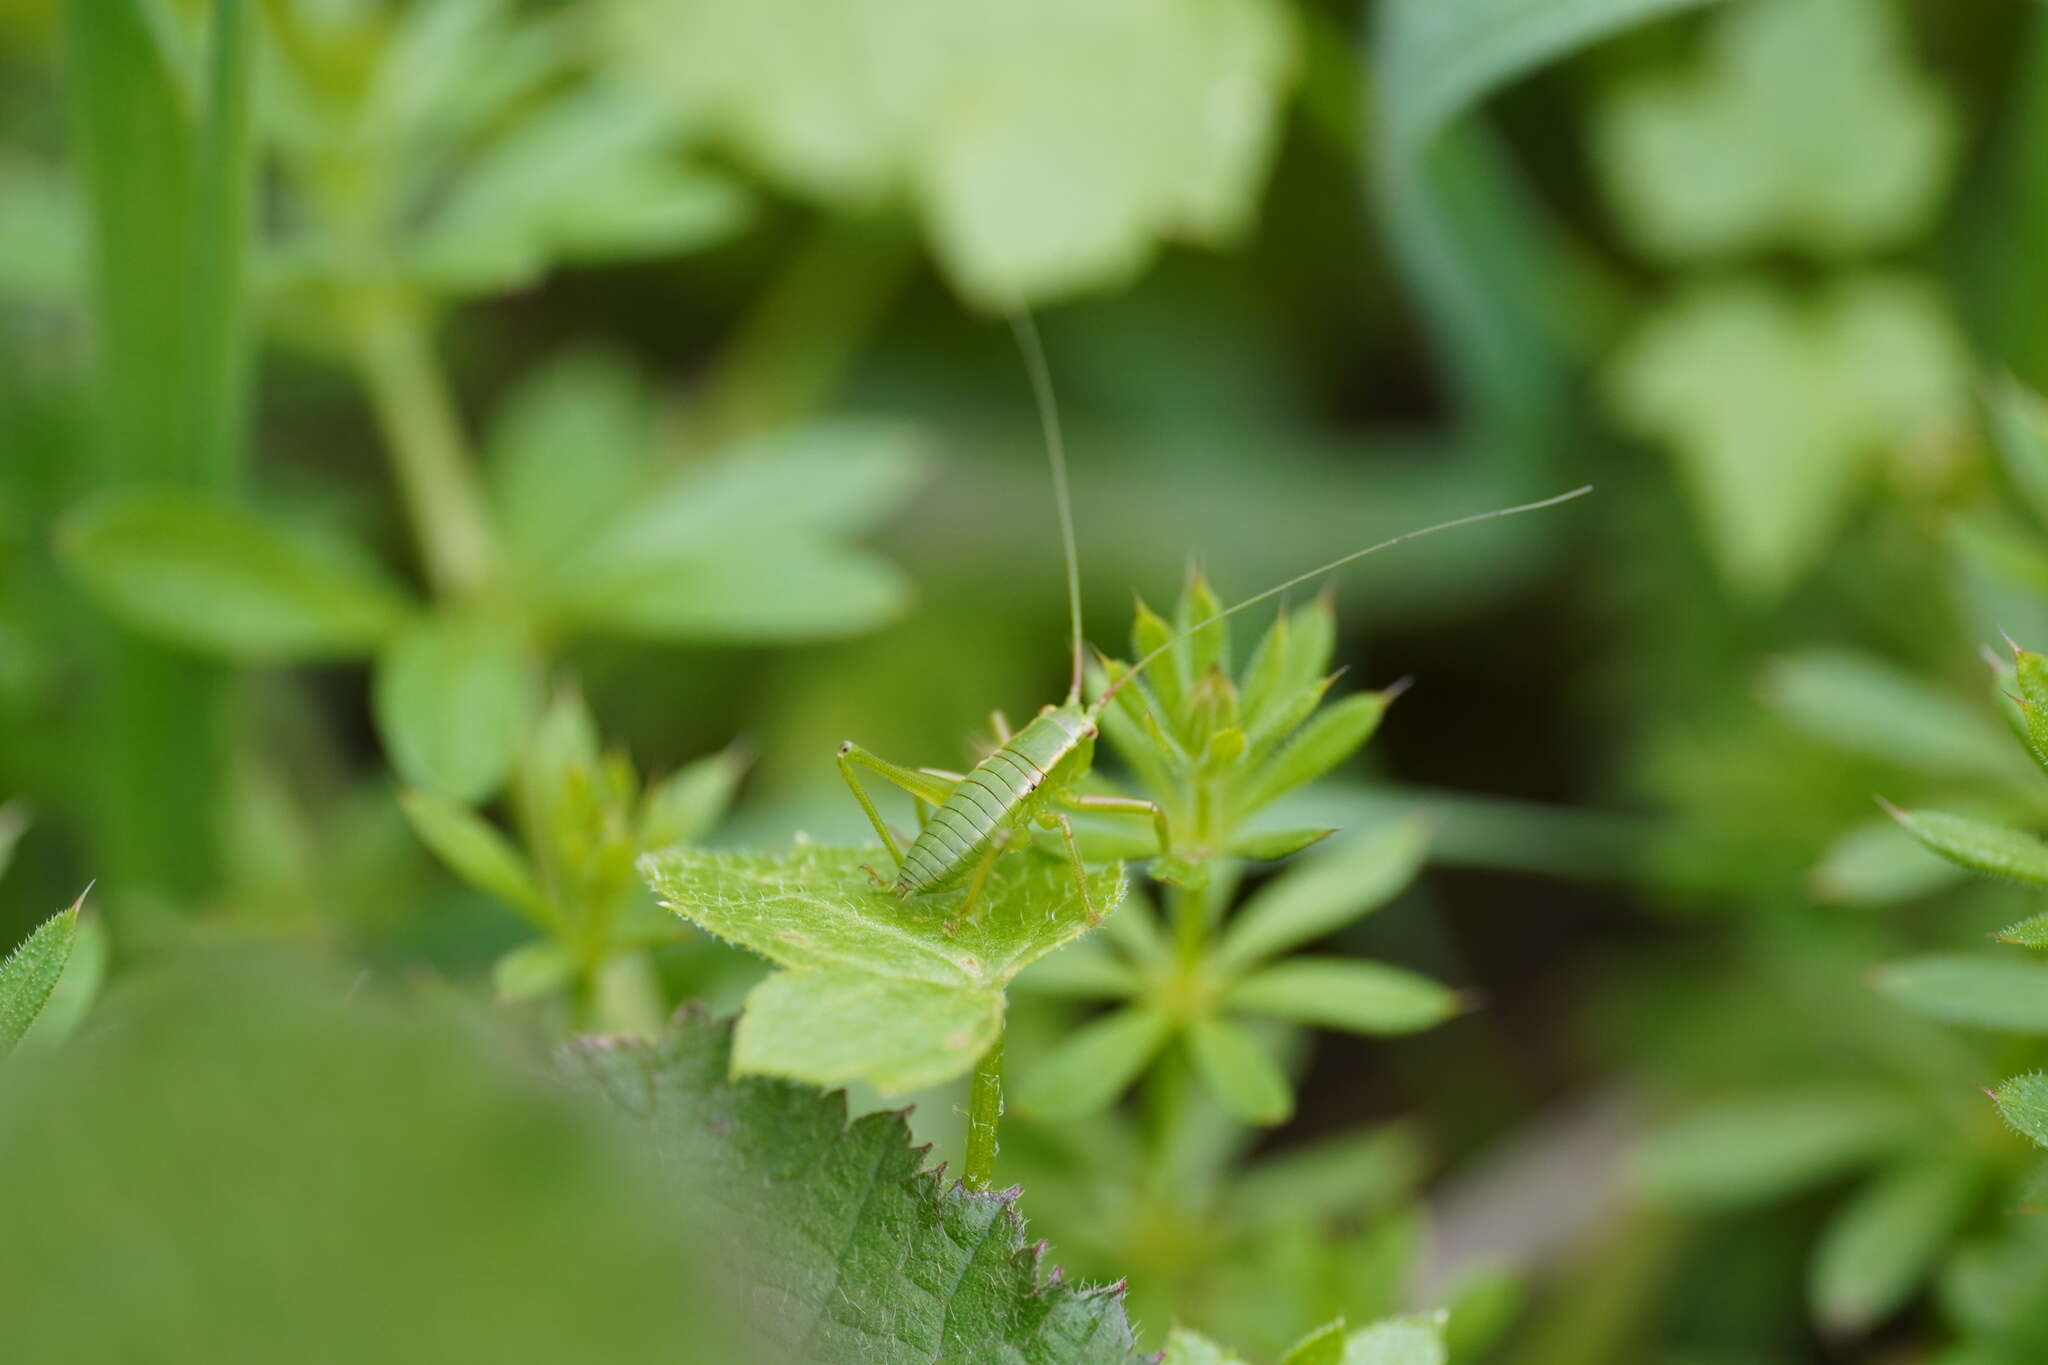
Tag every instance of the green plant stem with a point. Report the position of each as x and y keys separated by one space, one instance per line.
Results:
x=429 y=456
x=1190 y=925
x=984 y=1114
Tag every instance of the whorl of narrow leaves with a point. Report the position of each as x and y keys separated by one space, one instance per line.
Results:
x=849 y=1248
x=31 y=972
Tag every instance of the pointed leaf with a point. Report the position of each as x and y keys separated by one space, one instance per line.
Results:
x=1882 y=1244
x=1752 y=1150
x=1093 y=1064
x=475 y=852
x=531 y=971
x=31 y=972
x=1879 y=863
x=453 y=698
x=1323 y=1346
x=688 y=805
x=1275 y=844
x=1343 y=993
x=1992 y=850
x=2023 y=1103
x=216 y=577
x=2031 y=932
x=1239 y=1072
x=1325 y=891
x=1988 y=992
x=1334 y=735
x=1871 y=708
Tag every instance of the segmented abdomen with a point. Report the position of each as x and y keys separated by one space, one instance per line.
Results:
x=990 y=798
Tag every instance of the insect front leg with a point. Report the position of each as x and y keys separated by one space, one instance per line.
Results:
x=1066 y=828
x=1124 y=805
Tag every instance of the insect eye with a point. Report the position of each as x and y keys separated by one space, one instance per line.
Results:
x=1090 y=732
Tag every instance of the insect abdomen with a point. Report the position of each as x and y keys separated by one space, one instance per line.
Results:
x=991 y=797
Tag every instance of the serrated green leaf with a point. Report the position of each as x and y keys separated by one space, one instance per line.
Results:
x=475 y=852
x=1414 y=1340
x=1275 y=844
x=216 y=577
x=1868 y=707
x=1829 y=385
x=30 y=973
x=1988 y=992
x=1992 y=850
x=1323 y=892
x=687 y=805
x=453 y=697
x=1093 y=1064
x=846 y=1249
x=1335 y=734
x=1760 y=147
x=1749 y=1151
x=1239 y=1072
x=2031 y=932
x=1343 y=993
x=815 y=910
x=2023 y=1103
x=1881 y=1245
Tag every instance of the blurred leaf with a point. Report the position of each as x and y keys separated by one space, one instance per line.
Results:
x=1483 y=1310
x=746 y=546
x=881 y=957
x=1239 y=1072
x=227 y=1107
x=42 y=237
x=2019 y=430
x=1187 y=1347
x=1417 y=1340
x=31 y=971
x=1275 y=844
x=14 y=822
x=1323 y=1346
x=216 y=577
x=1093 y=1064
x=1992 y=850
x=848 y=1250
x=453 y=698
x=475 y=852
x=1878 y=863
x=1825 y=386
x=531 y=971
x=2023 y=1103
x=1883 y=1243
x=1320 y=894
x=1988 y=992
x=1045 y=153
x=1334 y=735
x=1350 y=1176
x=690 y=802
x=1867 y=707
x=1762 y=146
x=1343 y=993
x=1750 y=1151
x=566 y=453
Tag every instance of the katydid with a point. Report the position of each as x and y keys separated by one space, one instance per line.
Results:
x=1030 y=778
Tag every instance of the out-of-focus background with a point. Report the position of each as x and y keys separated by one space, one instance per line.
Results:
x=464 y=354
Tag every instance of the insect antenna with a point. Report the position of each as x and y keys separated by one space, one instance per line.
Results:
x=1056 y=452
x=1319 y=571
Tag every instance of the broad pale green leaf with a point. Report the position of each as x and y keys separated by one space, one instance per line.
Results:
x=1093 y=1064
x=1239 y=1071
x=1045 y=151
x=1325 y=891
x=1878 y=863
x=1749 y=1151
x=1869 y=707
x=474 y=850
x=2023 y=1103
x=2031 y=932
x=1343 y=993
x=566 y=453
x=30 y=973
x=1828 y=386
x=226 y=1107
x=217 y=577
x=689 y=803
x=1880 y=1246
x=833 y=1025
x=815 y=911
x=454 y=696
x=1992 y=850
x=1761 y=146
x=1415 y=1340
x=1988 y=992
x=846 y=1249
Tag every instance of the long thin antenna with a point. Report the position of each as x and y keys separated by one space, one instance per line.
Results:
x=1331 y=567
x=1056 y=451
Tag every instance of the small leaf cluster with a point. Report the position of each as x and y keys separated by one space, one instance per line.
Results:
x=1216 y=745
x=599 y=536
x=1207 y=1005
x=582 y=817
